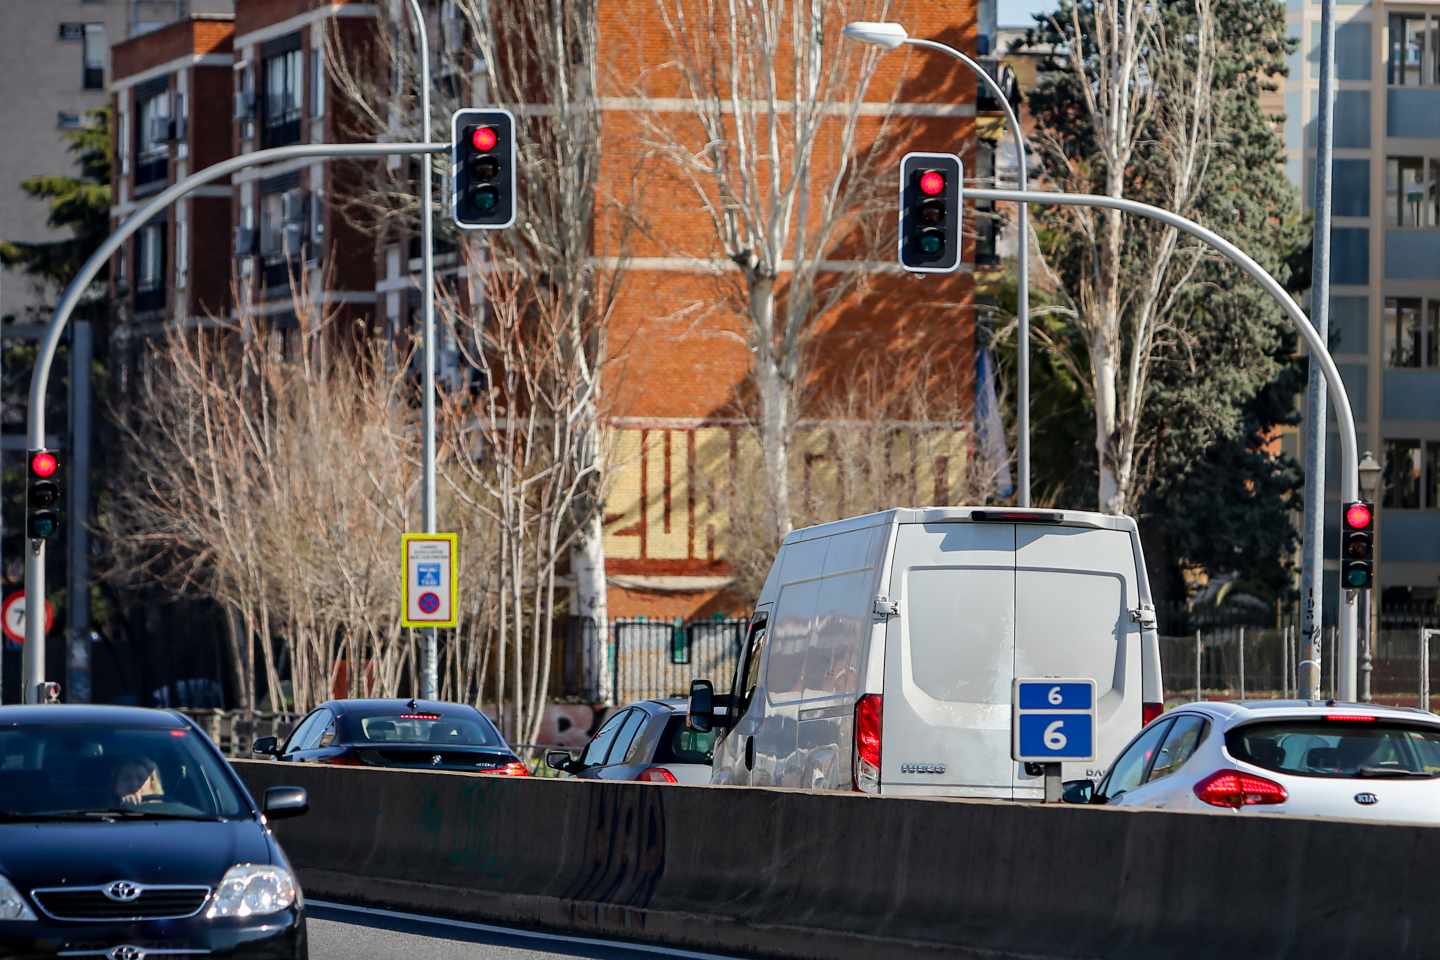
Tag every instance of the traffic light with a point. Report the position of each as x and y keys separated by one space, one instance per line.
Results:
x=1357 y=545
x=930 y=212
x=483 y=153
x=42 y=495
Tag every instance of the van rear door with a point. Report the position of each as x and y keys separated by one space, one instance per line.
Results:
x=949 y=661
x=1074 y=590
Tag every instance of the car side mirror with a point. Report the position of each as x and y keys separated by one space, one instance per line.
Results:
x=1077 y=791
x=702 y=706
x=559 y=760
x=282 y=802
x=266 y=746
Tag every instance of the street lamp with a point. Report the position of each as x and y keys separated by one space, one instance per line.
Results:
x=892 y=35
x=1371 y=474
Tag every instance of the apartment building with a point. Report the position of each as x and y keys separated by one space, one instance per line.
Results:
x=1385 y=271
x=58 y=53
x=170 y=95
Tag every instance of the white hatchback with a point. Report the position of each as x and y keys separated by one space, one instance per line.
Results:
x=1356 y=761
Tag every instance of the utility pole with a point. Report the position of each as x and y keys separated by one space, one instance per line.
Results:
x=1312 y=528
x=77 y=529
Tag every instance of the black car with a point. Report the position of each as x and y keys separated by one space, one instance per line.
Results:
x=398 y=733
x=124 y=834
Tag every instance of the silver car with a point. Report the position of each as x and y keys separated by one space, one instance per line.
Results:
x=1358 y=761
x=646 y=741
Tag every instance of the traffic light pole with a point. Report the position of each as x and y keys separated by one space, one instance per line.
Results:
x=429 y=658
x=32 y=668
x=1319 y=357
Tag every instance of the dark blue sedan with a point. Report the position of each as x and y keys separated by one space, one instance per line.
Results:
x=125 y=834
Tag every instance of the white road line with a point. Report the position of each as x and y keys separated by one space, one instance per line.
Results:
x=514 y=931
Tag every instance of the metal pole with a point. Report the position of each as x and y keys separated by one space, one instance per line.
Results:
x=1242 y=663
x=33 y=658
x=429 y=667
x=1023 y=266
x=1368 y=646
x=1312 y=527
x=77 y=532
x=1424 y=669
x=1197 y=666
x=1339 y=398
x=1374 y=603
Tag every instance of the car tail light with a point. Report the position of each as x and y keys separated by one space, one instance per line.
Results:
x=344 y=760
x=865 y=759
x=1349 y=718
x=657 y=775
x=1231 y=788
x=512 y=769
x=1149 y=711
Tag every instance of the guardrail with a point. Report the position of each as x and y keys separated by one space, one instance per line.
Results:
x=785 y=873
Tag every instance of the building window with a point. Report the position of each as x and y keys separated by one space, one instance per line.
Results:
x=152 y=137
x=1412 y=474
x=150 y=268
x=1412 y=191
x=1412 y=332
x=281 y=73
x=94 y=56
x=1414 y=50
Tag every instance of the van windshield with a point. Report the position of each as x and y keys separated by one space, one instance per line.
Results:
x=1321 y=747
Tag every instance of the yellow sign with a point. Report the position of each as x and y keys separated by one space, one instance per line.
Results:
x=429 y=579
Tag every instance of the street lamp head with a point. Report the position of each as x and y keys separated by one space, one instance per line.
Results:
x=887 y=35
x=1369 y=472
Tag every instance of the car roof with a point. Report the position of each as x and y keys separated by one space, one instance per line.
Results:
x=82 y=715
x=1245 y=711
x=369 y=707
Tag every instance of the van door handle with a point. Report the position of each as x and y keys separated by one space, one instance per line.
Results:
x=749 y=753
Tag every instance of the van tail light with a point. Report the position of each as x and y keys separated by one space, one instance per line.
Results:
x=865 y=758
x=656 y=775
x=512 y=769
x=1149 y=711
x=1231 y=788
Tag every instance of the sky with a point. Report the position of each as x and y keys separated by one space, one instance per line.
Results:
x=1016 y=13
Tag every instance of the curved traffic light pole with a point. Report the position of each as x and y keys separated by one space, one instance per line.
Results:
x=32 y=669
x=1339 y=400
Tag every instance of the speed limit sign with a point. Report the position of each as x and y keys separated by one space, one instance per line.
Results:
x=13 y=615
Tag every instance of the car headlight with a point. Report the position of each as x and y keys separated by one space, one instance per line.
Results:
x=12 y=905
x=253 y=890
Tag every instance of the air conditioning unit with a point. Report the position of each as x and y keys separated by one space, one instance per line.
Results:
x=317 y=223
x=162 y=130
x=294 y=239
x=244 y=242
x=244 y=104
x=292 y=206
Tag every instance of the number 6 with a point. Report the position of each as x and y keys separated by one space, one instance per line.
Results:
x=1054 y=737
x=1054 y=697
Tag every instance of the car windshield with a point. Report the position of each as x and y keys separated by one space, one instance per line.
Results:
x=682 y=745
x=432 y=728
x=112 y=772
x=1324 y=747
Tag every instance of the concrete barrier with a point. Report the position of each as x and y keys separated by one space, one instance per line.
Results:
x=789 y=874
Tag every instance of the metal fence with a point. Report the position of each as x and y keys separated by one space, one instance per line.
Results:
x=659 y=658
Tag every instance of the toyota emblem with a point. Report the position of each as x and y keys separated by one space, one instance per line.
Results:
x=436 y=760
x=1366 y=799
x=123 y=891
x=126 y=952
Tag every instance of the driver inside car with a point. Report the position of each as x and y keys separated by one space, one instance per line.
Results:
x=134 y=779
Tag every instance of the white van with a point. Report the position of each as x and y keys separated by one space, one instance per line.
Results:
x=881 y=653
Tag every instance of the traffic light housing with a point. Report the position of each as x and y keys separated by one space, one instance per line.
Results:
x=1357 y=545
x=483 y=153
x=930 y=201
x=42 y=494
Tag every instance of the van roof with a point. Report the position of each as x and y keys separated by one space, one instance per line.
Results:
x=978 y=514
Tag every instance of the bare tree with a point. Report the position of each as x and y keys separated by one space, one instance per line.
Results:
x=775 y=153
x=1146 y=103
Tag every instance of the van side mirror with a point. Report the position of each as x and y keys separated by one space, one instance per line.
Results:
x=559 y=760
x=702 y=706
x=265 y=746
x=1077 y=791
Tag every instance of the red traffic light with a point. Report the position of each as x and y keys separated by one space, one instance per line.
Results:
x=1357 y=516
x=43 y=464
x=932 y=183
x=484 y=138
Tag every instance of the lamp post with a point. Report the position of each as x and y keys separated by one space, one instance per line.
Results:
x=892 y=35
x=1371 y=479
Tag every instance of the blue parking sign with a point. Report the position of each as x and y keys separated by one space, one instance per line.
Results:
x=1053 y=720
x=427 y=574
